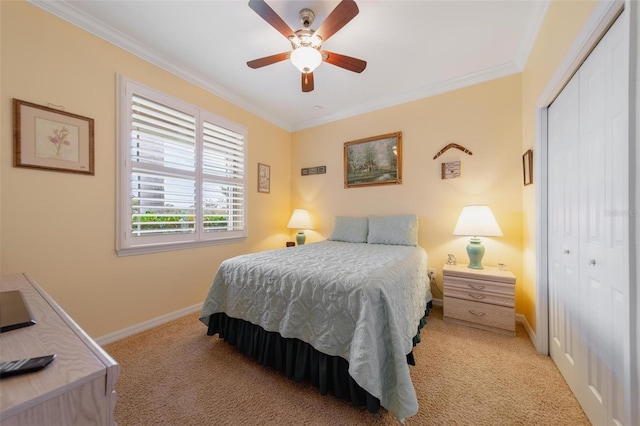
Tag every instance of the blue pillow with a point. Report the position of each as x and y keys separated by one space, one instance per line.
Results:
x=350 y=229
x=400 y=230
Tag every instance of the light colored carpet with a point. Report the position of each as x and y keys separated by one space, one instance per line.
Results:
x=177 y=375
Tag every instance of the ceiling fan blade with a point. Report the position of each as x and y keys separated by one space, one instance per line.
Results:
x=269 y=15
x=343 y=61
x=268 y=60
x=307 y=82
x=344 y=12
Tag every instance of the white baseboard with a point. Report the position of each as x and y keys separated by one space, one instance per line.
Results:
x=155 y=322
x=532 y=334
x=146 y=325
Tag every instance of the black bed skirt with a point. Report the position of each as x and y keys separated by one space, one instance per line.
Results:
x=298 y=360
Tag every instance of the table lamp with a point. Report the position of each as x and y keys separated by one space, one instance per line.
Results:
x=300 y=220
x=477 y=221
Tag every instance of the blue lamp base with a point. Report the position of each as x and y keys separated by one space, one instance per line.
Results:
x=475 y=250
x=300 y=238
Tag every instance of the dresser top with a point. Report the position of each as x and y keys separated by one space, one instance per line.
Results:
x=489 y=272
x=79 y=359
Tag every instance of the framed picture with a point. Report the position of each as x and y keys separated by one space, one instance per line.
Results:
x=264 y=178
x=527 y=167
x=51 y=139
x=450 y=170
x=373 y=161
x=319 y=170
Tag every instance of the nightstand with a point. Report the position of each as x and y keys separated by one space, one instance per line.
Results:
x=480 y=298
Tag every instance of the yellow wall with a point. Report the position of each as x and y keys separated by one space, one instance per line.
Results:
x=563 y=22
x=60 y=227
x=485 y=118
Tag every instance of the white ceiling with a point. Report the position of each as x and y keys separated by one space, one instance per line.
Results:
x=413 y=49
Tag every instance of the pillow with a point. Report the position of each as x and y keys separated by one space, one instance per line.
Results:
x=350 y=229
x=400 y=230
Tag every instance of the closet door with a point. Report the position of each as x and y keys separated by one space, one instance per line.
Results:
x=588 y=231
x=563 y=205
x=604 y=279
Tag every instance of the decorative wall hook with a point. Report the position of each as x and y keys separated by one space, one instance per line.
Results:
x=453 y=145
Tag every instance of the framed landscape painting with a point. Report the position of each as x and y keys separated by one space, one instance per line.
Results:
x=373 y=161
x=52 y=139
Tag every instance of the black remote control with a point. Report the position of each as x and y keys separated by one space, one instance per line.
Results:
x=20 y=366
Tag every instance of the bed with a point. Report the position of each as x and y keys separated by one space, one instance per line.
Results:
x=344 y=313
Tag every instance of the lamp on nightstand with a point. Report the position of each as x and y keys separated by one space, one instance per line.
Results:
x=300 y=220
x=477 y=221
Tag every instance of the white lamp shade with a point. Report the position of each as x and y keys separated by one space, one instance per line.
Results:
x=306 y=58
x=300 y=220
x=477 y=221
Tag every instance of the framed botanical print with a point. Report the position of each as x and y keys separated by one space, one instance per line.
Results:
x=51 y=139
x=264 y=178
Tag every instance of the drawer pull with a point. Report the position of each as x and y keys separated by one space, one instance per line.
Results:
x=478 y=314
x=476 y=296
x=476 y=287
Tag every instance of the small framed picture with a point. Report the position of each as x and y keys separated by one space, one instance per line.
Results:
x=51 y=139
x=527 y=167
x=318 y=170
x=264 y=178
x=450 y=170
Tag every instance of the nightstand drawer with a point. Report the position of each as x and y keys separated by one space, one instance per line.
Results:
x=478 y=313
x=480 y=286
x=479 y=296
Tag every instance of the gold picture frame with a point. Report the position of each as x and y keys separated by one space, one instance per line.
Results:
x=50 y=139
x=264 y=178
x=527 y=167
x=373 y=161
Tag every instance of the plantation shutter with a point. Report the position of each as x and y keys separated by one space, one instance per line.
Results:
x=223 y=179
x=181 y=174
x=163 y=169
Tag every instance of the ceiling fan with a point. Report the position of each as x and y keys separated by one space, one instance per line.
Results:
x=306 y=43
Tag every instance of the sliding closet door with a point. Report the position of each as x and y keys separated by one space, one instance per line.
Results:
x=563 y=205
x=604 y=279
x=588 y=138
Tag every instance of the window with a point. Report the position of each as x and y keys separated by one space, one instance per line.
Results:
x=181 y=174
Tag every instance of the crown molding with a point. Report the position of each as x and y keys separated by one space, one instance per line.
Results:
x=66 y=11
x=423 y=92
x=539 y=11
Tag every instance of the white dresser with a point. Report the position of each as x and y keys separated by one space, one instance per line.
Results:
x=77 y=388
x=480 y=298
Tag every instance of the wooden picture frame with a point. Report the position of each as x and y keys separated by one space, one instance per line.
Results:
x=318 y=170
x=50 y=139
x=373 y=161
x=264 y=178
x=527 y=167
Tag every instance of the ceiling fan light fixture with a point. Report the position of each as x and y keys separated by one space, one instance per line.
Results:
x=306 y=58
x=306 y=46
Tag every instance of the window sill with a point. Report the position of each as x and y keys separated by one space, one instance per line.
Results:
x=158 y=248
